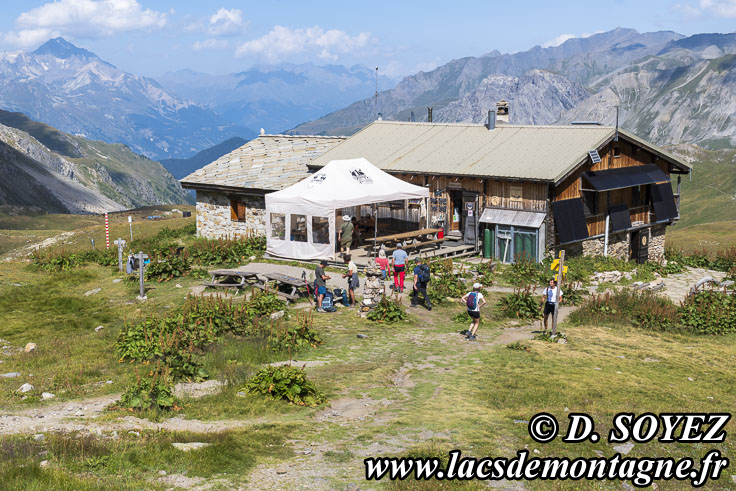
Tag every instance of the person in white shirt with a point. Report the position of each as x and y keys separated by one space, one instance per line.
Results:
x=550 y=298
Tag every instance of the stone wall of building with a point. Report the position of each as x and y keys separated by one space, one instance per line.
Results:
x=618 y=246
x=656 y=243
x=214 y=220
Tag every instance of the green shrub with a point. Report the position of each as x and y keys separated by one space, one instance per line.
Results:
x=519 y=346
x=165 y=268
x=64 y=261
x=639 y=308
x=548 y=337
x=724 y=260
x=227 y=251
x=525 y=271
x=178 y=339
x=388 y=310
x=709 y=312
x=151 y=391
x=574 y=294
x=294 y=337
x=288 y=383
x=445 y=282
x=521 y=304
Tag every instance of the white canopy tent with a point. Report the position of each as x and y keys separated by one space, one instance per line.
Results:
x=300 y=220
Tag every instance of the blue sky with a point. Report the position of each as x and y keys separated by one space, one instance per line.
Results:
x=150 y=37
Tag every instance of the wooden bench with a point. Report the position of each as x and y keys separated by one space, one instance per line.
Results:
x=232 y=278
x=419 y=244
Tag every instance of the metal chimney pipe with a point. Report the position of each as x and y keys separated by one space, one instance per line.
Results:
x=491 y=125
x=429 y=115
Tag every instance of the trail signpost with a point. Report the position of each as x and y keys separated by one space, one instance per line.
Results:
x=130 y=224
x=141 y=265
x=120 y=243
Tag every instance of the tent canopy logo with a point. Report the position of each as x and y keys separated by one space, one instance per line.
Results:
x=317 y=179
x=360 y=176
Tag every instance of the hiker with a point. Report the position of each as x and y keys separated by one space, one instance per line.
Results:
x=422 y=275
x=474 y=301
x=320 y=283
x=382 y=262
x=352 y=276
x=398 y=263
x=550 y=298
x=345 y=235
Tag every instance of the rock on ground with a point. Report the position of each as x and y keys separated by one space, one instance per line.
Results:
x=187 y=447
x=30 y=348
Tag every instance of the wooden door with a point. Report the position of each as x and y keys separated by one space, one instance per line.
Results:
x=456 y=210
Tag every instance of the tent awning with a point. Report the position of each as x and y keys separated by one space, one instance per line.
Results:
x=625 y=177
x=516 y=218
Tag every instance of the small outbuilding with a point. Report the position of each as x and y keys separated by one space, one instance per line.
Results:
x=230 y=190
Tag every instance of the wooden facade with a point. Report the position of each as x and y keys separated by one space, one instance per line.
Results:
x=615 y=155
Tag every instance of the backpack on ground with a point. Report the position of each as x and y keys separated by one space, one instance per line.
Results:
x=472 y=300
x=342 y=295
x=328 y=303
x=424 y=273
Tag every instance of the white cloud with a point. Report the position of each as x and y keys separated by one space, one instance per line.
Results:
x=82 y=18
x=558 y=40
x=210 y=44
x=226 y=21
x=282 y=42
x=564 y=37
x=721 y=8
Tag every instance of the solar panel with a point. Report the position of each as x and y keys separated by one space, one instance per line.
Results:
x=619 y=217
x=625 y=177
x=570 y=221
x=594 y=156
x=664 y=202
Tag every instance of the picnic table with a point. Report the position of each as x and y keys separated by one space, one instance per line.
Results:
x=296 y=286
x=232 y=278
x=412 y=240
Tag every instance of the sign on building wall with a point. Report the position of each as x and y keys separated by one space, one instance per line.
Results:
x=515 y=193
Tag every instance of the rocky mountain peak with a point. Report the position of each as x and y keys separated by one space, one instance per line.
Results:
x=63 y=49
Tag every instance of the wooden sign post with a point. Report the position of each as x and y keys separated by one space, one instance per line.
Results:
x=560 y=276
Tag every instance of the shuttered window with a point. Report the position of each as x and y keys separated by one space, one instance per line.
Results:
x=237 y=211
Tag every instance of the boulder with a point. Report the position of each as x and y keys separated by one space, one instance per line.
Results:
x=99 y=328
x=45 y=396
x=10 y=375
x=39 y=437
x=92 y=292
x=25 y=388
x=188 y=447
x=277 y=315
x=30 y=348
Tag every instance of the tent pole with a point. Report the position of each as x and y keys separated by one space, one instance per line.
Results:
x=375 y=228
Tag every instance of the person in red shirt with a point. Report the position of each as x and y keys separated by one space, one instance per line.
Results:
x=382 y=262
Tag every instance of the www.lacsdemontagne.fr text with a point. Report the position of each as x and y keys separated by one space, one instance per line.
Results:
x=639 y=471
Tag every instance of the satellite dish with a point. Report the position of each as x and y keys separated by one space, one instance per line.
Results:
x=263 y=132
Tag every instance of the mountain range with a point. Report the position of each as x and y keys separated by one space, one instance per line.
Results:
x=670 y=88
x=74 y=90
x=276 y=97
x=44 y=168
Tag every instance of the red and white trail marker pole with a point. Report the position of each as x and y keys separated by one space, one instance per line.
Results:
x=107 y=232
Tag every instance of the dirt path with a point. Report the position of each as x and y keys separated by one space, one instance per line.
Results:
x=83 y=415
x=28 y=249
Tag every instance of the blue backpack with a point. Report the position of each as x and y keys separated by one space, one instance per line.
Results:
x=342 y=295
x=328 y=302
x=472 y=300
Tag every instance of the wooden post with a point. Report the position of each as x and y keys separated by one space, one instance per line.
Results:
x=559 y=289
x=119 y=243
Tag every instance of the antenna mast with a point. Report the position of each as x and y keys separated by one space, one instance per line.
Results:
x=616 y=138
x=375 y=103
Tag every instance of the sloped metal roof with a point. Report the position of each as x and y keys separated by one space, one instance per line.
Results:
x=542 y=153
x=517 y=218
x=269 y=162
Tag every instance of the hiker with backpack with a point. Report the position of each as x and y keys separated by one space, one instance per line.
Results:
x=474 y=301
x=422 y=276
x=352 y=276
x=320 y=283
x=398 y=262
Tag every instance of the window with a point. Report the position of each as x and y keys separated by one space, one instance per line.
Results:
x=298 y=229
x=320 y=230
x=616 y=151
x=237 y=210
x=637 y=196
x=278 y=226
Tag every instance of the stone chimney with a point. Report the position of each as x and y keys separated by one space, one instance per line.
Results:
x=502 y=111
